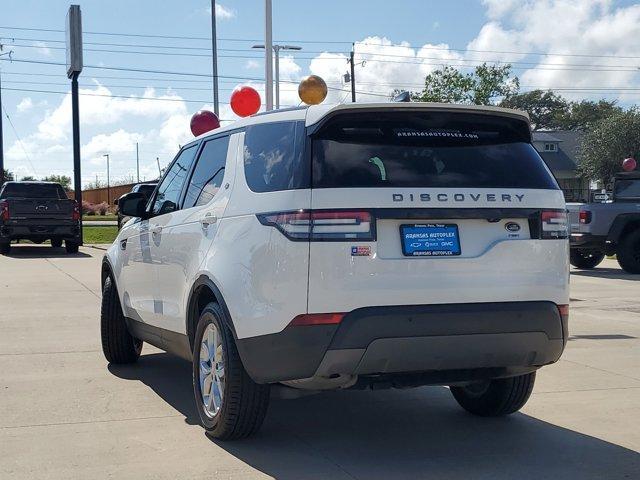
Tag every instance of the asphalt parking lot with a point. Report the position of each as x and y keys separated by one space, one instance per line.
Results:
x=64 y=413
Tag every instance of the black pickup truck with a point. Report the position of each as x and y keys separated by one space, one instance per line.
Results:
x=38 y=211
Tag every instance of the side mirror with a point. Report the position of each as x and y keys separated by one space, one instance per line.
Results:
x=133 y=204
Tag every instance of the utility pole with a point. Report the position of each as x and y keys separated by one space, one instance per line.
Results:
x=214 y=50
x=108 y=182
x=159 y=170
x=1 y=140
x=276 y=51
x=353 y=73
x=137 y=163
x=268 y=55
x=2 y=171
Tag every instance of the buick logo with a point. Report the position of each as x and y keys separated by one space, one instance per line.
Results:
x=42 y=208
x=512 y=227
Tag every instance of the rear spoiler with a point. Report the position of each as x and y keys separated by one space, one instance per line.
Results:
x=317 y=118
x=317 y=114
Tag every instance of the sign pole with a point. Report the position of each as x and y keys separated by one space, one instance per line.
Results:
x=74 y=67
x=75 y=119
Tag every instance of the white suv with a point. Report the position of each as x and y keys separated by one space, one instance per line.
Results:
x=353 y=246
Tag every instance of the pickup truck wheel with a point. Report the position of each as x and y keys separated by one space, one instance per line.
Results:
x=71 y=247
x=495 y=398
x=5 y=247
x=229 y=403
x=585 y=259
x=118 y=345
x=56 y=242
x=628 y=252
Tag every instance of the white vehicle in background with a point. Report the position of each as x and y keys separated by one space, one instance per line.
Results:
x=353 y=246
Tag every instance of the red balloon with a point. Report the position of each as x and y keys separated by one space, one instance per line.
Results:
x=245 y=101
x=204 y=121
x=629 y=164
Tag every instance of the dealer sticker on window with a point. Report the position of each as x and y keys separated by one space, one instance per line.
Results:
x=360 y=251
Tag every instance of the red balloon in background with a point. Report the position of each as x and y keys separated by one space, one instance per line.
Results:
x=204 y=121
x=245 y=101
x=629 y=164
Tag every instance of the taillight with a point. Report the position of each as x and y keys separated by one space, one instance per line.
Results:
x=564 y=310
x=585 y=217
x=322 y=225
x=554 y=224
x=4 y=211
x=76 y=211
x=317 y=319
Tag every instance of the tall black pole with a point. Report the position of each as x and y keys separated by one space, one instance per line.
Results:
x=353 y=75
x=75 y=117
x=1 y=140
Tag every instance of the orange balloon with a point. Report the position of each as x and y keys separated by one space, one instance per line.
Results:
x=312 y=90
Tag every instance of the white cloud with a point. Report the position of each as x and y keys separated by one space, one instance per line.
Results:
x=44 y=49
x=25 y=105
x=252 y=65
x=222 y=12
x=564 y=30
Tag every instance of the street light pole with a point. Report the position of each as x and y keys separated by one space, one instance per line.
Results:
x=276 y=50
x=214 y=49
x=268 y=57
x=108 y=182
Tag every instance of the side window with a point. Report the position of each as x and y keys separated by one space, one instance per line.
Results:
x=168 y=196
x=274 y=157
x=208 y=173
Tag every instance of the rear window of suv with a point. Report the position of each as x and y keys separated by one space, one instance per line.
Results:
x=33 y=190
x=427 y=149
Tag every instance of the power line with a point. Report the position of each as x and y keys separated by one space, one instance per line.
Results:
x=335 y=42
x=19 y=139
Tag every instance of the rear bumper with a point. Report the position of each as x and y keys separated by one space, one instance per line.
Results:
x=587 y=241
x=496 y=337
x=35 y=231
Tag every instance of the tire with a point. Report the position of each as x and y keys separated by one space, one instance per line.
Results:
x=628 y=252
x=496 y=398
x=71 y=247
x=118 y=345
x=585 y=259
x=56 y=242
x=5 y=248
x=240 y=409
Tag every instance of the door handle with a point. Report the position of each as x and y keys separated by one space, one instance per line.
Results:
x=208 y=219
x=156 y=230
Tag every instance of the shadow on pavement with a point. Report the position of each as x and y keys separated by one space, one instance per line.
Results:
x=168 y=376
x=391 y=434
x=44 y=251
x=616 y=273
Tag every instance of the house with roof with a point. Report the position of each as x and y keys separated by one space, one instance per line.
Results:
x=559 y=150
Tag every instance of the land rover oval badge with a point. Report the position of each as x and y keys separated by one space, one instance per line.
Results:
x=512 y=227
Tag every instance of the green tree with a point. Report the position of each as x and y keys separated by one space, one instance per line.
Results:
x=584 y=114
x=545 y=108
x=6 y=176
x=63 y=180
x=607 y=143
x=28 y=178
x=481 y=87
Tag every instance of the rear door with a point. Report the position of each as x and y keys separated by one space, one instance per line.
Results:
x=188 y=233
x=426 y=207
x=143 y=239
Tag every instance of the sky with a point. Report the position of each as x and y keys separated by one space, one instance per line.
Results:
x=148 y=64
